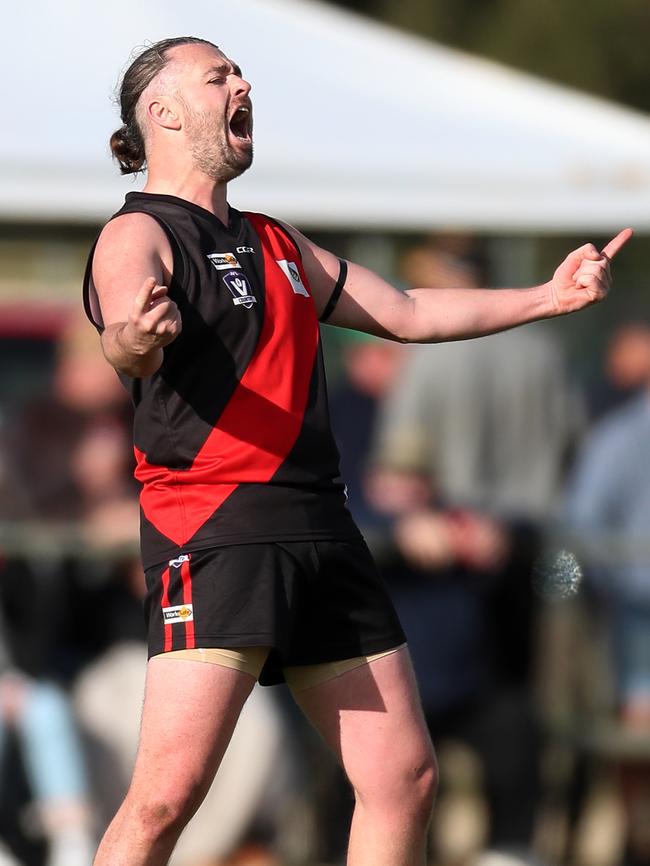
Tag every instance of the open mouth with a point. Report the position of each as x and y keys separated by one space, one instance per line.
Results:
x=241 y=123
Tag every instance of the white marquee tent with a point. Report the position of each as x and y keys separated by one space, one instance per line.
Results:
x=356 y=124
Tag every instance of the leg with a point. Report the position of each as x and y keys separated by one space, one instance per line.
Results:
x=254 y=756
x=371 y=718
x=55 y=766
x=503 y=731
x=52 y=747
x=190 y=711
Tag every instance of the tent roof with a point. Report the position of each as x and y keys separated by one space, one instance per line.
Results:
x=355 y=124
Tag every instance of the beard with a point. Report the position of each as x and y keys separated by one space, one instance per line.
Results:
x=211 y=150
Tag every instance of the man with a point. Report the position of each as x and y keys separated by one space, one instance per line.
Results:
x=253 y=563
x=608 y=509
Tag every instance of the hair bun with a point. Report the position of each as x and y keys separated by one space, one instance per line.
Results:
x=127 y=150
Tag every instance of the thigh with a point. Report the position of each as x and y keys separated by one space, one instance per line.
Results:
x=189 y=713
x=369 y=717
x=245 y=778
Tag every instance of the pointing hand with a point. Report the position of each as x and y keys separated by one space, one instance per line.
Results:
x=584 y=277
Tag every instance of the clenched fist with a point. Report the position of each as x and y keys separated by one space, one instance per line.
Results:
x=154 y=320
x=135 y=346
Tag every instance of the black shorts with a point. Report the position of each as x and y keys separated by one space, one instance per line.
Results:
x=311 y=602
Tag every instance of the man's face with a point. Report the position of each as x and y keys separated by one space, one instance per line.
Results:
x=216 y=108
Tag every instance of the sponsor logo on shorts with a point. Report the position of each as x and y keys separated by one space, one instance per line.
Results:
x=240 y=289
x=176 y=563
x=291 y=272
x=178 y=613
x=224 y=261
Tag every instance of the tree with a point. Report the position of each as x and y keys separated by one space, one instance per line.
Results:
x=594 y=45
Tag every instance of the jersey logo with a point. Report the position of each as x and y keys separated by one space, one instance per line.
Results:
x=176 y=563
x=292 y=273
x=224 y=261
x=239 y=289
x=245 y=250
x=178 y=613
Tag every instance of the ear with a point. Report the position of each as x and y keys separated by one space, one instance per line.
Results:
x=163 y=114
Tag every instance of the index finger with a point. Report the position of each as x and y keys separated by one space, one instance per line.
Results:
x=617 y=243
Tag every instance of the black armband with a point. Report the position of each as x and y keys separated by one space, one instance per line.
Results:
x=336 y=293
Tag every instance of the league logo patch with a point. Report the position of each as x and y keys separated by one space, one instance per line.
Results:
x=292 y=273
x=224 y=261
x=239 y=289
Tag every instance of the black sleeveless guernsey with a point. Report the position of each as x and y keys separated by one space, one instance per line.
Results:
x=232 y=434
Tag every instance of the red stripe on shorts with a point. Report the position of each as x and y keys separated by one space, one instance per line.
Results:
x=164 y=602
x=186 y=577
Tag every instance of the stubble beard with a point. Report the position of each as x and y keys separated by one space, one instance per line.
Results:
x=211 y=151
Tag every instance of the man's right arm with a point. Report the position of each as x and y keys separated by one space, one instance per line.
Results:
x=132 y=267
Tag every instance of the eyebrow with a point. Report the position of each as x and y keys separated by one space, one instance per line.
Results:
x=225 y=68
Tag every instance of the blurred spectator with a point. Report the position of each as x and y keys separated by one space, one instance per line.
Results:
x=69 y=452
x=626 y=367
x=470 y=453
x=68 y=464
x=609 y=506
x=66 y=459
x=371 y=368
x=490 y=423
x=39 y=713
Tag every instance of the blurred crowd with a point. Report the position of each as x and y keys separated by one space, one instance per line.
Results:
x=508 y=507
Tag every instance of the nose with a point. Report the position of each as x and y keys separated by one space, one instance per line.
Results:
x=240 y=85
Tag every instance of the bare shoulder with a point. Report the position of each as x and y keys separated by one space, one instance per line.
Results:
x=128 y=239
x=308 y=249
x=131 y=249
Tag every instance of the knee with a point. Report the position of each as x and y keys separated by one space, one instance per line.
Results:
x=423 y=786
x=163 y=813
x=405 y=785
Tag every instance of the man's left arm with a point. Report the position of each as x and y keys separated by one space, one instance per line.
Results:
x=425 y=315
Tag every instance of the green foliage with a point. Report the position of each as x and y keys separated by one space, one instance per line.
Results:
x=594 y=45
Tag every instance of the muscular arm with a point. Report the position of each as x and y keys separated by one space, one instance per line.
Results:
x=132 y=263
x=424 y=315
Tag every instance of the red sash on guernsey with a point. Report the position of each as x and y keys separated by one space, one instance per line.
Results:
x=261 y=422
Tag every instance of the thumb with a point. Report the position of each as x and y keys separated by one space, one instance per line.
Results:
x=146 y=294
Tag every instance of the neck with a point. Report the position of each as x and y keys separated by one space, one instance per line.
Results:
x=192 y=186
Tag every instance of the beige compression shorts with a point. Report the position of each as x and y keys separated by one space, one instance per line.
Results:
x=251 y=660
